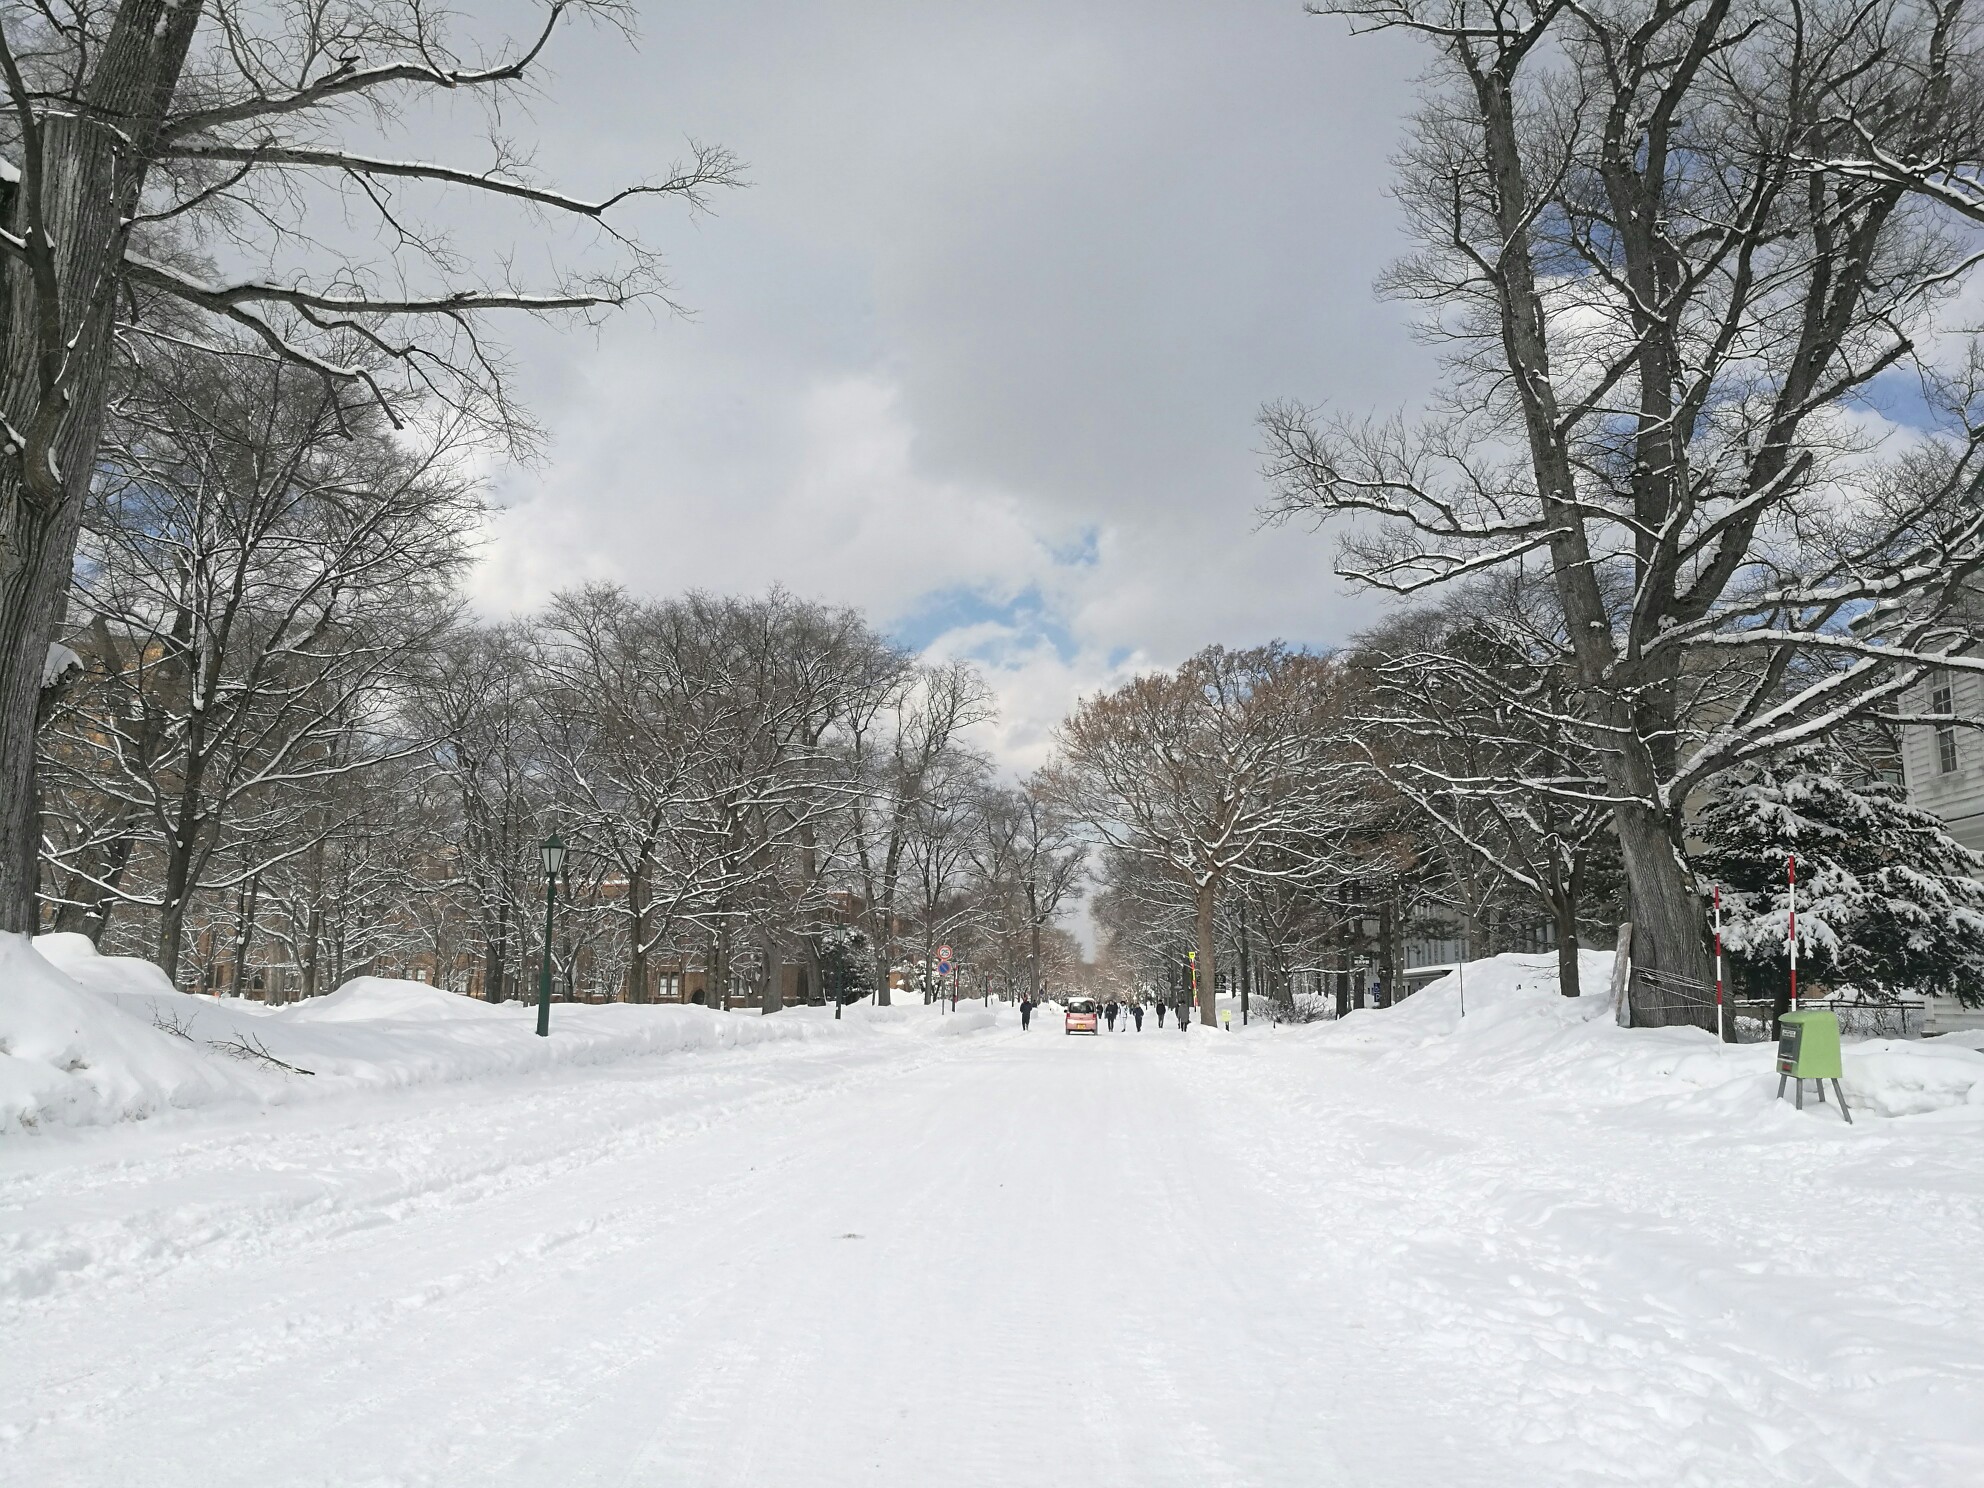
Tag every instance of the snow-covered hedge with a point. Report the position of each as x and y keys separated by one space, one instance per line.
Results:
x=88 y=1039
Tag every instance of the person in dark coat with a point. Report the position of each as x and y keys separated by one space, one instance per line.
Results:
x=1160 y=1015
x=1109 y=1014
x=1137 y=1013
x=1026 y=1013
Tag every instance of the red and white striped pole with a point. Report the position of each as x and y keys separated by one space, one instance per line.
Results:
x=1791 y=876
x=1721 y=1031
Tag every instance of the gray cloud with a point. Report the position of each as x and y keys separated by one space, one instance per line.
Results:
x=995 y=317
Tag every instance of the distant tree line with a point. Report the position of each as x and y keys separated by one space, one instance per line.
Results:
x=283 y=755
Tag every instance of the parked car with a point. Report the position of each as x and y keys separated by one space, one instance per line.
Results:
x=1081 y=1015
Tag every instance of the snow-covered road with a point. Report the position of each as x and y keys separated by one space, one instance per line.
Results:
x=1000 y=1260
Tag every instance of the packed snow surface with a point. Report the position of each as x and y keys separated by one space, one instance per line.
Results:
x=1415 y=1249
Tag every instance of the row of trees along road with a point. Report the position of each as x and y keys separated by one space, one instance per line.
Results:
x=354 y=778
x=220 y=177
x=1230 y=768
x=1275 y=811
x=1670 y=248
x=1287 y=815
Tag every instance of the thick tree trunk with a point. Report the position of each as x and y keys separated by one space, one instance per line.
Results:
x=33 y=580
x=85 y=176
x=172 y=913
x=313 y=934
x=1666 y=915
x=1387 y=951
x=637 y=933
x=774 y=995
x=1208 y=898
x=244 y=934
x=1246 y=962
x=494 y=955
x=1564 y=913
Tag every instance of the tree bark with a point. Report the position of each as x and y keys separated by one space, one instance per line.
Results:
x=1666 y=915
x=244 y=933
x=82 y=178
x=1208 y=897
x=1387 y=949
x=1566 y=917
x=774 y=995
x=1246 y=962
x=494 y=954
x=637 y=931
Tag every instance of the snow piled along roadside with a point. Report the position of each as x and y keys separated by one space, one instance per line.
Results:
x=1518 y=1034
x=88 y=1040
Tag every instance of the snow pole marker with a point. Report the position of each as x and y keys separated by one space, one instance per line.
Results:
x=1791 y=873
x=1721 y=1032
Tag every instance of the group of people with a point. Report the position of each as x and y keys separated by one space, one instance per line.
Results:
x=1131 y=1012
x=1112 y=1010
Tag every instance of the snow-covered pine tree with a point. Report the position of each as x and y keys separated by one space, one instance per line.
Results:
x=847 y=966
x=1888 y=902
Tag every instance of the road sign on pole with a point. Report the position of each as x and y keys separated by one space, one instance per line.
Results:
x=943 y=953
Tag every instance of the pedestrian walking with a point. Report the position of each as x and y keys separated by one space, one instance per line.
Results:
x=1160 y=1015
x=1026 y=1013
x=1184 y=1016
x=1109 y=1014
x=1137 y=1012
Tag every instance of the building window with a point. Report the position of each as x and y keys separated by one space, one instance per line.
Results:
x=1942 y=699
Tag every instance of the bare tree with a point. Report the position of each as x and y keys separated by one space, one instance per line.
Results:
x=1205 y=769
x=632 y=730
x=1027 y=848
x=259 y=564
x=1658 y=298
x=899 y=744
x=939 y=853
x=140 y=134
x=1465 y=715
x=475 y=705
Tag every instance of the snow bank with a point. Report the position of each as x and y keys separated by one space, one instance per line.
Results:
x=965 y=1020
x=88 y=1039
x=1518 y=1034
x=69 y=1055
x=365 y=998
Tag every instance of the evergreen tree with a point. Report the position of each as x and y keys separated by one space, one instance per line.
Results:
x=1888 y=902
x=846 y=964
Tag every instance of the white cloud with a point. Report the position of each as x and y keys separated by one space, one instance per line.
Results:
x=992 y=321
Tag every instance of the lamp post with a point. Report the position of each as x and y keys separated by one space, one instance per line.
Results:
x=553 y=856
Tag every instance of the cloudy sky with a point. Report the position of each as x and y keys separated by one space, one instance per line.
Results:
x=981 y=347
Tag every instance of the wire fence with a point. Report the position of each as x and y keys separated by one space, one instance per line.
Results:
x=1664 y=1000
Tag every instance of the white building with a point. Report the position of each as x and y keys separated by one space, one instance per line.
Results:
x=1943 y=764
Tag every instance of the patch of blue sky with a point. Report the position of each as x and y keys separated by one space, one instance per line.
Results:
x=1020 y=621
x=1084 y=552
x=1896 y=395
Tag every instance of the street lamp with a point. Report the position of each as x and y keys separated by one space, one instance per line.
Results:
x=553 y=856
